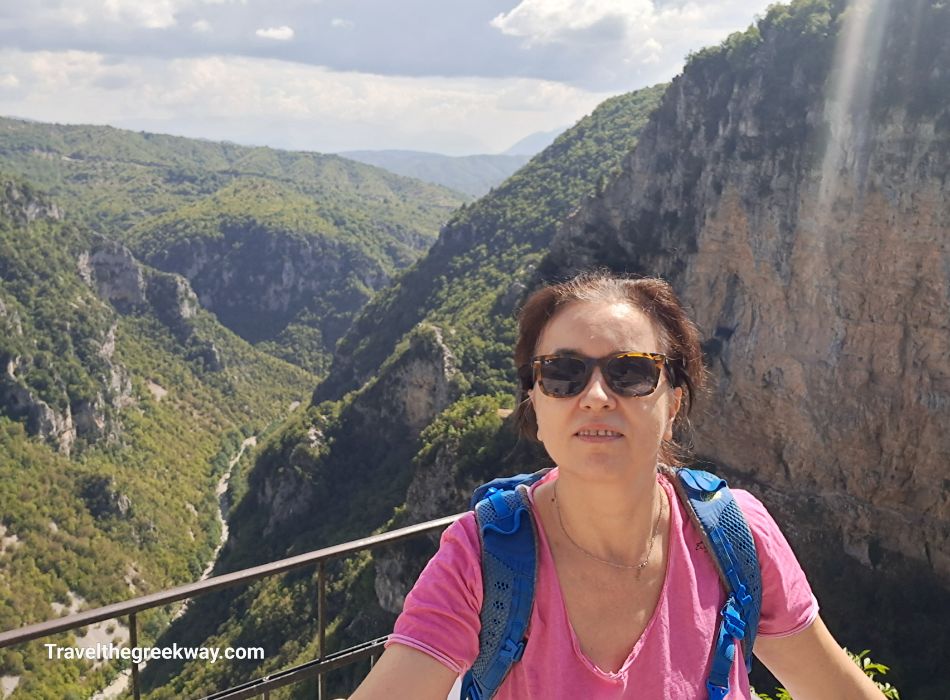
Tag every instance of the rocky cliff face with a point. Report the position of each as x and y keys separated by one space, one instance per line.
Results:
x=258 y=281
x=23 y=206
x=122 y=281
x=117 y=278
x=372 y=440
x=809 y=238
x=54 y=412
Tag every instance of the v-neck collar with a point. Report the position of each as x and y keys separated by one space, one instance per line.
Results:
x=547 y=567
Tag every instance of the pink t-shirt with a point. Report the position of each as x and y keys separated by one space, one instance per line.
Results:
x=669 y=660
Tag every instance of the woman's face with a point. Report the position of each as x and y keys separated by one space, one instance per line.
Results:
x=637 y=424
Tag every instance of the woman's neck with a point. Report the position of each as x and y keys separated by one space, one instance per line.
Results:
x=610 y=521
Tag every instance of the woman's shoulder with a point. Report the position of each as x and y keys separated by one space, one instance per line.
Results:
x=765 y=530
x=464 y=529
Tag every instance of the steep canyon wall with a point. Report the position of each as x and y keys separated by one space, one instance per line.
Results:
x=813 y=252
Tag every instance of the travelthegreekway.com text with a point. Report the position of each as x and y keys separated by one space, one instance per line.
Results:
x=138 y=655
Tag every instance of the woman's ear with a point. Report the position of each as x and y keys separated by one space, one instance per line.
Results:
x=674 y=405
x=534 y=409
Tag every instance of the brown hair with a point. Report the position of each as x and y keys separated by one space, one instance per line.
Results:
x=653 y=296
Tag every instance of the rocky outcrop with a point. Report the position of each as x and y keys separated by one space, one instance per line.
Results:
x=20 y=402
x=176 y=305
x=257 y=281
x=418 y=385
x=64 y=421
x=366 y=451
x=21 y=204
x=472 y=442
x=57 y=413
x=103 y=499
x=121 y=280
x=433 y=493
x=286 y=492
x=118 y=279
x=115 y=275
x=826 y=319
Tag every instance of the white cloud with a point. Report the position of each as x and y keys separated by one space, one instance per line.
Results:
x=70 y=16
x=289 y=105
x=56 y=70
x=613 y=37
x=547 y=21
x=651 y=51
x=9 y=81
x=539 y=96
x=152 y=14
x=284 y=33
x=540 y=65
x=595 y=44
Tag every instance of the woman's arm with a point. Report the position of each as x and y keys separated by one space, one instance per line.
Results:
x=812 y=666
x=404 y=672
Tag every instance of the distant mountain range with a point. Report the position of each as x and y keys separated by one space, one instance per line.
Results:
x=471 y=175
x=474 y=175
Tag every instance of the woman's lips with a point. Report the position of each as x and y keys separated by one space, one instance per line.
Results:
x=598 y=435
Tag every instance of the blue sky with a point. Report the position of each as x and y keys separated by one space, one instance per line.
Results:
x=451 y=76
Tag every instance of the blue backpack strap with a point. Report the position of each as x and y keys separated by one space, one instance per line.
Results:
x=509 y=569
x=728 y=538
x=505 y=483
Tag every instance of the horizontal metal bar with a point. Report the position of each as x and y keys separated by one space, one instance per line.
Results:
x=317 y=667
x=171 y=595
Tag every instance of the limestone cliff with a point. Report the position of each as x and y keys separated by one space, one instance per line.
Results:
x=22 y=205
x=364 y=451
x=257 y=282
x=809 y=238
x=50 y=400
x=46 y=395
x=122 y=281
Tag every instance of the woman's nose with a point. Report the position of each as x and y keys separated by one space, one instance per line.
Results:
x=596 y=394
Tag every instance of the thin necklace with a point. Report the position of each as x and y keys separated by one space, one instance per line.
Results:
x=629 y=567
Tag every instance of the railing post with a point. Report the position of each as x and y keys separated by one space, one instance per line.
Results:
x=322 y=634
x=134 y=642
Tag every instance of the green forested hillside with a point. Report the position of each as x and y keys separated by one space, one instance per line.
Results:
x=118 y=177
x=344 y=465
x=283 y=247
x=121 y=404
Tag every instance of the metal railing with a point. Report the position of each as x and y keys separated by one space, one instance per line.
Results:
x=259 y=687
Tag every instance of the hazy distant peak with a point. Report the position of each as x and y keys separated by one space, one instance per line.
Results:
x=472 y=175
x=532 y=144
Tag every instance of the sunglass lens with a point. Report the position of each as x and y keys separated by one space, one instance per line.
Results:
x=632 y=376
x=563 y=376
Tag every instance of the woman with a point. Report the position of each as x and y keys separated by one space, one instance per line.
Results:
x=626 y=601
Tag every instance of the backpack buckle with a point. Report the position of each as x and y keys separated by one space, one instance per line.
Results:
x=716 y=692
x=512 y=651
x=732 y=620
